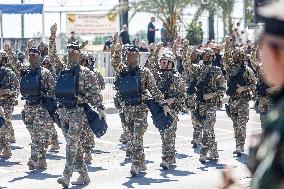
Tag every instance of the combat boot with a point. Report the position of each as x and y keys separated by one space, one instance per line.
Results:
x=123 y=138
x=128 y=153
x=167 y=164
x=41 y=164
x=135 y=170
x=32 y=164
x=83 y=179
x=143 y=167
x=64 y=181
x=213 y=155
x=238 y=151
x=6 y=153
x=202 y=158
x=54 y=147
x=194 y=143
x=12 y=139
x=88 y=157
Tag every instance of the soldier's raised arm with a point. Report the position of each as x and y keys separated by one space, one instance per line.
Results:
x=228 y=53
x=115 y=59
x=54 y=58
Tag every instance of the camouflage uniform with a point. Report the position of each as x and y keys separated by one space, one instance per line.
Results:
x=205 y=110
x=152 y=62
x=171 y=85
x=72 y=120
x=238 y=105
x=14 y=64
x=136 y=115
x=87 y=135
x=10 y=86
x=37 y=119
x=189 y=77
x=263 y=101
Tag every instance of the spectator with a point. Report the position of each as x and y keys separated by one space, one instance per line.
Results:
x=72 y=38
x=164 y=39
x=108 y=44
x=136 y=40
x=124 y=36
x=151 y=31
x=200 y=32
x=142 y=47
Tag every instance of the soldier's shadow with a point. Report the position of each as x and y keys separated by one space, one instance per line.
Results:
x=16 y=147
x=141 y=180
x=17 y=117
x=99 y=152
x=5 y=163
x=35 y=175
x=242 y=159
x=182 y=156
x=2 y=187
x=128 y=160
x=174 y=172
x=54 y=156
x=95 y=169
x=211 y=163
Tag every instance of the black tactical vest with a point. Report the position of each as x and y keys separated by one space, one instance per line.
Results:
x=128 y=85
x=165 y=83
x=30 y=85
x=66 y=89
x=3 y=73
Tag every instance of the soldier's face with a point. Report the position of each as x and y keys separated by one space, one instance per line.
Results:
x=132 y=58
x=236 y=56
x=206 y=57
x=272 y=59
x=6 y=46
x=34 y=58
x=73 y=55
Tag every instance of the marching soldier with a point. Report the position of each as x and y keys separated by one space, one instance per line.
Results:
x=9 y=89
x=14 y=64
x=36 y=88
x=190 y=78
x=171 y=85
x=241 y=82
x=210 y=89
x=82 y=88
x=133 y=99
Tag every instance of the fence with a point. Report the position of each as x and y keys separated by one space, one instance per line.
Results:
x=105 y=68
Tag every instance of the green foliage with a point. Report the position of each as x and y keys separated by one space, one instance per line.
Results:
x=194 y=33
x=168 y=11
x=99 y=40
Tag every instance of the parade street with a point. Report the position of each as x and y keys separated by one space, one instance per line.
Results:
x=110 y=168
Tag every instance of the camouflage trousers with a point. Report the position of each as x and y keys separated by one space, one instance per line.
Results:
x=197 y=127
x=8 y=108
x=239 y=111
x=4 y=139
x=125 y=131
x=207 y=120
x=37 y=120
x=87 y=138
x=72 y=121
x=52 y=134
x=168 y=137
x=136 y=123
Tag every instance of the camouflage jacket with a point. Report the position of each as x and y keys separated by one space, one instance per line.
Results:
x=88 y=91
x=13 y=62
x=215 y=84
x=232 y=69
x=147 y=82
x=171 y=85
x=100 y=80
x=152 y=62
x=9 y=83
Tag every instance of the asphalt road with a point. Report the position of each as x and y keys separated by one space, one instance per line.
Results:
x=110 y=168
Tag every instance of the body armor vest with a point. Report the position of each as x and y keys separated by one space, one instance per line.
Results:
x=30 y=85
x=66 y=89
x=129 y=87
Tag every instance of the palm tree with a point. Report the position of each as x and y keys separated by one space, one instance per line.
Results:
x=168 y=11
x=213 y=7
